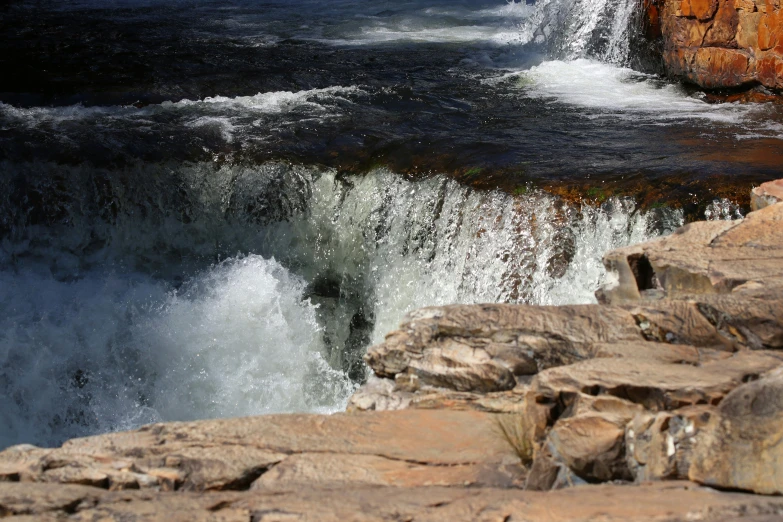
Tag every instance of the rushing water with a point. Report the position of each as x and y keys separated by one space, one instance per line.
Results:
x=213 y=208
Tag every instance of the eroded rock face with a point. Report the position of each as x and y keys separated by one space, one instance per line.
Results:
x=412 y=465
x=713 y=257
x=630 y=389
x=723 y=43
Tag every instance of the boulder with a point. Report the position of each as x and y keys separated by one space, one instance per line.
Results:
x=653 y=384
x=742 y=446
x=659 y=446
x=700 y=258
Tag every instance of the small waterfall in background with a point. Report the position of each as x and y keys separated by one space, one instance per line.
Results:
x=572 y=29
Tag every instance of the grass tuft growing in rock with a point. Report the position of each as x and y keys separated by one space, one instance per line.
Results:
x=517 y=432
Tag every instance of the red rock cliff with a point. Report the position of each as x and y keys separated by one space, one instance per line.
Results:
x=722 y=43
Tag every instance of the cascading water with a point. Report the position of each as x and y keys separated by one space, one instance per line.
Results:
x=222 y=221
x=572 y=29
x=97 y=313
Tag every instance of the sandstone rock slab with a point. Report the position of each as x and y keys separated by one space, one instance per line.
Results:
x=231 y=454
x=673 y=501
x=742 y=447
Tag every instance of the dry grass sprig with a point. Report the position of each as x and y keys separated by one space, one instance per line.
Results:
x=517 y=432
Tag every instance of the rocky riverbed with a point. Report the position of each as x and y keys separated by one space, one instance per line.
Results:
x=668 y=392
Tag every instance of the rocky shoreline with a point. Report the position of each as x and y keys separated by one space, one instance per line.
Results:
x=669 y=392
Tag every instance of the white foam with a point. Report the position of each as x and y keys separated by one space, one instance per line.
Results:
x=722 y=209
x=400 y=33
x=225 y=116
x=317 y=101
x=496 y=25
x=271 y=102
x=611 y=91
x=111 y=352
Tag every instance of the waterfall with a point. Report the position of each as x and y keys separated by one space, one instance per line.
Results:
x=572 y=29
x=186 y=291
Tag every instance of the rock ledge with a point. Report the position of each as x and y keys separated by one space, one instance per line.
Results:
x=677 y=374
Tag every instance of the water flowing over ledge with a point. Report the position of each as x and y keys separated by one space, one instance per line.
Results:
x=215 y=291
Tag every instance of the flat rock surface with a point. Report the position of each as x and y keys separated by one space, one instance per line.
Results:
x=672 y=502
x=394 y=448
x=766 y=194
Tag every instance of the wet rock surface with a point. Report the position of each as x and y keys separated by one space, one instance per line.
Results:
x=662 y=380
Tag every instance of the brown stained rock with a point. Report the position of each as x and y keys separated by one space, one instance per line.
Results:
x=684 y=340
x=701 y=9
x=678 y=268
x=718 y=67
x=481 y=348
x=591 y=446
x=655 y=385
x=40 y=499
x=460 y=366
x=742 y=446
x=769 y=30
x=614 y=408
x=722 y=32
x=748 y=29
x=766 y=194
x=770 y=71
x=759 y=233
x=682 y=322
x=379 y=394
x=663 y=352
x=553 y=337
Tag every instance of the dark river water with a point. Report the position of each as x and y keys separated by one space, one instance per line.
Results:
x=212 y=208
